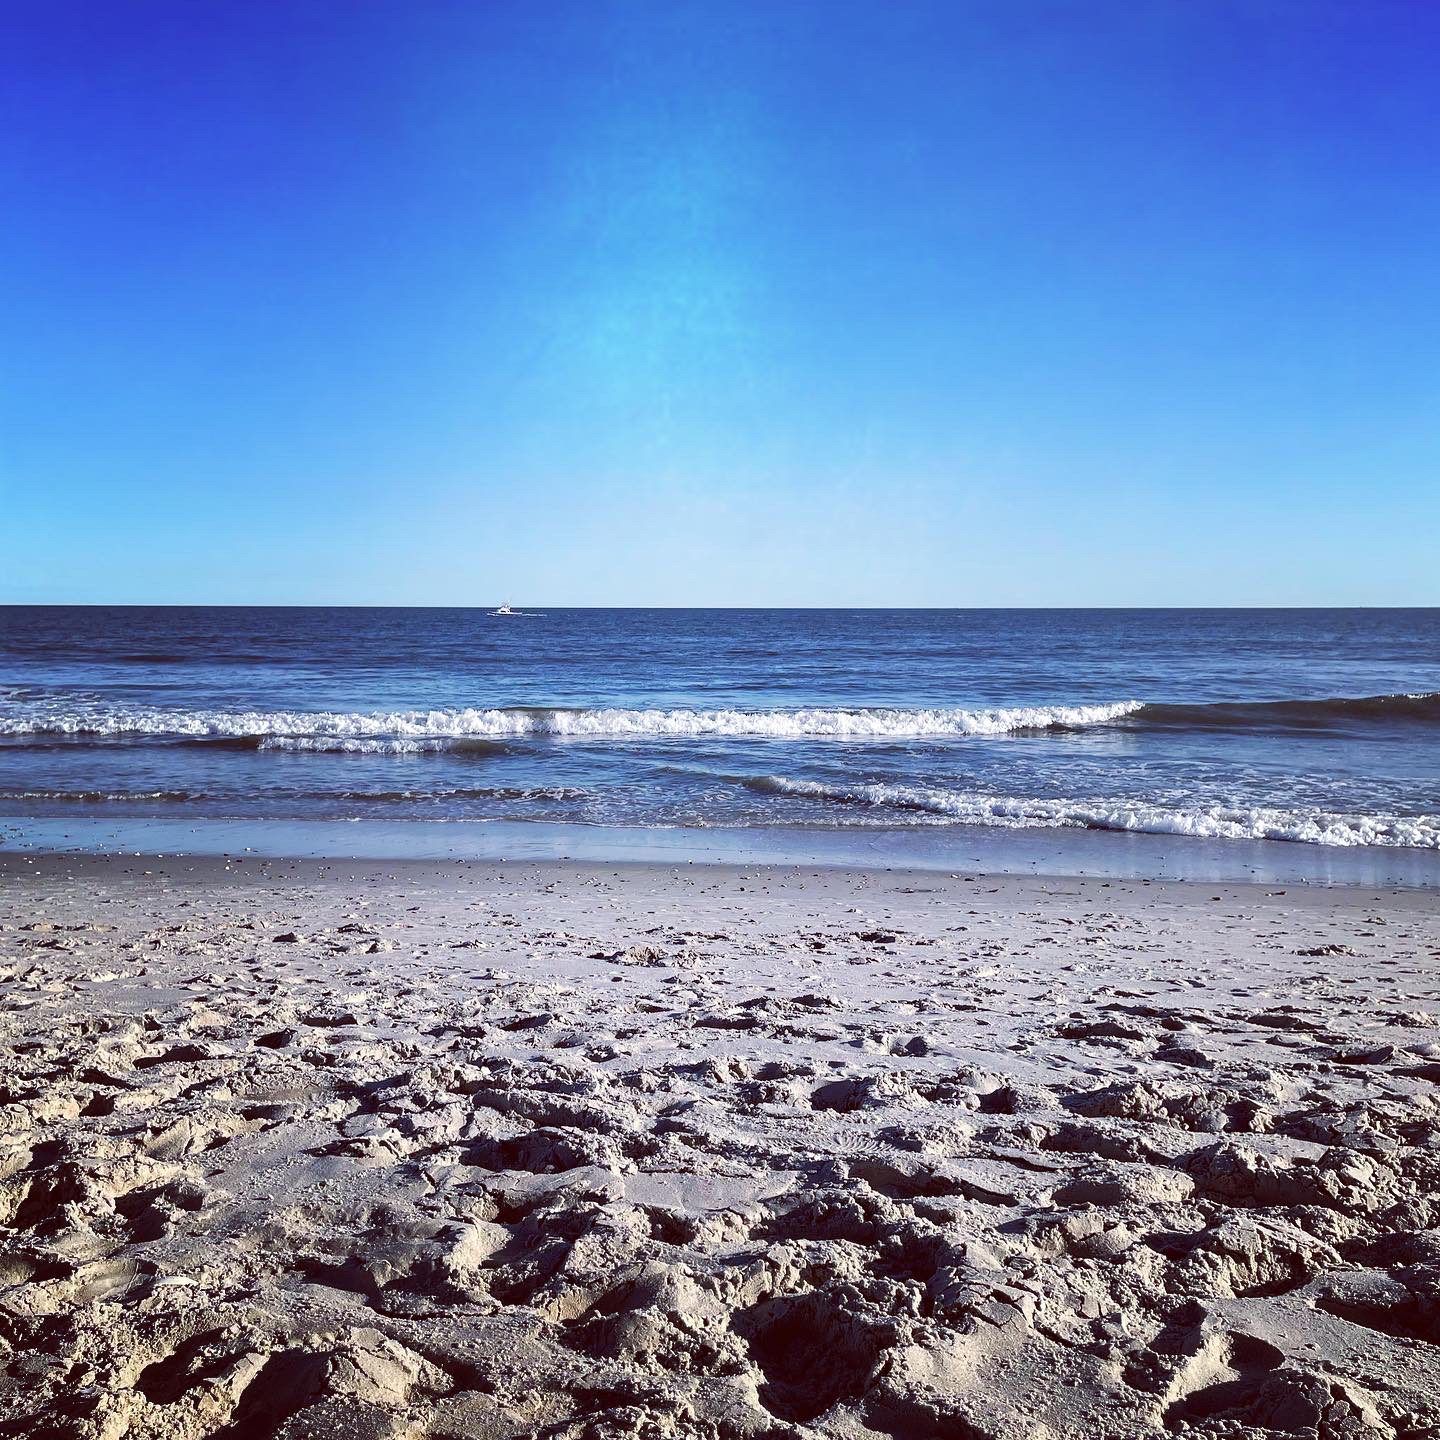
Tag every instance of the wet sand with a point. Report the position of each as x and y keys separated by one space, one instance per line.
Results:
x=415 y=1149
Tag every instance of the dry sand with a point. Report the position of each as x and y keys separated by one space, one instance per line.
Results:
x=592 y=1150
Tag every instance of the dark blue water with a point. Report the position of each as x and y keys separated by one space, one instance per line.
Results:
x=1311 y=726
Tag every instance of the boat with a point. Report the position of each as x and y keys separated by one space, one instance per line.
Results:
x=504 y=610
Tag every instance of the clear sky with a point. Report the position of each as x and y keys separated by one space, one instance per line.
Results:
x=804 y=302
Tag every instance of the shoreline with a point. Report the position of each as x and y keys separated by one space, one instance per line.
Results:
x=1060 y=852
x=205 y=873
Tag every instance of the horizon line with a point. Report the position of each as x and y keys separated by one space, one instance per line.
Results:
x=542 y=608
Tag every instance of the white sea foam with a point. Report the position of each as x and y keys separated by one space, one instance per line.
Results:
x=1313 y=827
x=392 y=730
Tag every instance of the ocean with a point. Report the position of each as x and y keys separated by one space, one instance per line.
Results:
x=1313 y=727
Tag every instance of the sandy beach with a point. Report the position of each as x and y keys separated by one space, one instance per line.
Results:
x=502 y=1150
x=720 y=721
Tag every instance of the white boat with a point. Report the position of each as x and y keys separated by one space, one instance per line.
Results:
x=504 y=610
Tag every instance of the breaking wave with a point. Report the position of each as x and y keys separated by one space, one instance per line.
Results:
x=1206 y=821
x=413 y=731
x=408 y=732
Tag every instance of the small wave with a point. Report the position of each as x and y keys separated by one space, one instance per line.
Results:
x=554 y=793
x=1208 y=821
x=379 y=745
x=557 y=793
x=1417 y=709
x=100 y=797
x=395 y=732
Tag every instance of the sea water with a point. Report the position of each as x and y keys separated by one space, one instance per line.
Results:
x=1316 y=727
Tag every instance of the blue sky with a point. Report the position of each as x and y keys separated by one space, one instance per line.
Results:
x=815 y=302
